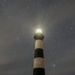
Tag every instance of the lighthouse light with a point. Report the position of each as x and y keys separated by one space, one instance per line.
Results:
x=38 y=31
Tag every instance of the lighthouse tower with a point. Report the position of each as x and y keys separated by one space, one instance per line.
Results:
x=38 y=66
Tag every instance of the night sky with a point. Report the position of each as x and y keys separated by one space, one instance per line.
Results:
x=18 y=21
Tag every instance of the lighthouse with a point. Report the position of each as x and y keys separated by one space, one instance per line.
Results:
x=38 y=66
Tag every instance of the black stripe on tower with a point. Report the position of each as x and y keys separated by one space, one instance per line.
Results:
x=38 y=53
x=38 y=71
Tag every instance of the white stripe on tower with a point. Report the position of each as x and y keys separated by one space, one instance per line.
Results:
x=38 y=62
x=38 y=55
x=38 y=44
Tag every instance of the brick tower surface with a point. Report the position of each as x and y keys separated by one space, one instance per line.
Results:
x=38 y=66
